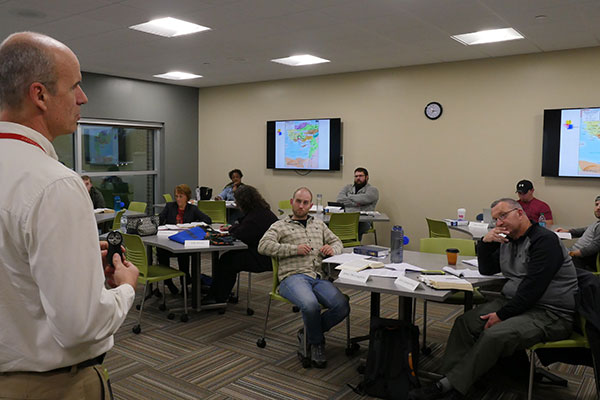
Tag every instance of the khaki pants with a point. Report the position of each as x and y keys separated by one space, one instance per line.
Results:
x=86 y=383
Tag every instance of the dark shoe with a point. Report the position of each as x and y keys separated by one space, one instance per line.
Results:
x=208 y=300
x=172 y=288
x=430 y=392
x=317 y=355
x=300 y=336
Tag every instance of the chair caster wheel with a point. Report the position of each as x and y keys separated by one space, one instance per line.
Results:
x=137 y=307
x=184 y=318
x=162 y=307
x=261 y=343
x=304 y=360
x=171 y=316
x=295 y=309
x=249 y=311
x=136 y=329
x=426 y=350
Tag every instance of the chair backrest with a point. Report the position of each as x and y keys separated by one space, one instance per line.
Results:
x=216 y=210
x=437 y=229
x=345 y=226
x=117 y=220
x=136 y=252
x=439 y=245
x=137 y=206
x=168 y=198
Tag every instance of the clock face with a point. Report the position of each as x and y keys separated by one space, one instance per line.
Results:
x=433 y=110
x=115 y=238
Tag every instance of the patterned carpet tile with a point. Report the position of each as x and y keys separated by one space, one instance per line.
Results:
x=154 y=385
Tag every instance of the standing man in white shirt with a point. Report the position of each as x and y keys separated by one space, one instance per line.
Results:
x=58 y=319
x=359 y=196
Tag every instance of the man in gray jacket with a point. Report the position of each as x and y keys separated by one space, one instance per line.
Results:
x=359 y=196
x=537 y=304
x=585 y=251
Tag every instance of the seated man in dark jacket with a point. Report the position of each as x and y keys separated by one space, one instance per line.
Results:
x=537 y=305
x=250 y=228
x=179 y=212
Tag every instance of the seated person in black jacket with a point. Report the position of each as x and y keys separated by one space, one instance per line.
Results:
x=250 y=228
x=179 y=212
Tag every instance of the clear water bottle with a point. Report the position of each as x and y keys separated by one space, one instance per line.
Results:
x=123 y=223
x=542 y=220
x=117 y=203
x=198 y=193
x=397 y=244
x=319 y=204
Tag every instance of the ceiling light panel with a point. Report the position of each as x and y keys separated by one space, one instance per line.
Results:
x=178 y=75
x=302 y=59
x=489 y=36
x=169 y=27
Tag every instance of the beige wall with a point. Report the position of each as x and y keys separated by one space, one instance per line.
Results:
x=488 y=138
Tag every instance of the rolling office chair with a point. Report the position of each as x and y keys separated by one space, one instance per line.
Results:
x=168 y=198
x=437 y=229
x=117 y=220
x=216 y=210
x=283 y=205
x=351 y=348
x=345 y=226
x=137 y=206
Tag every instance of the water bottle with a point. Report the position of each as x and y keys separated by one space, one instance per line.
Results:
x=397 y=243
x=542 y=220
x=118 y=203
x=123 y=223
x=319 y=204
x=198 y=193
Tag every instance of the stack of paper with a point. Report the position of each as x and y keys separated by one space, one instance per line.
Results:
x=359 y=264
x=446 y=282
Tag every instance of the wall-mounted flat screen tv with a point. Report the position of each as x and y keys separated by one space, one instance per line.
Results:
x=304 y=144
x=571 y=146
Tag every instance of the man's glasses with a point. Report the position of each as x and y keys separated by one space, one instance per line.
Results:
x=503 y=216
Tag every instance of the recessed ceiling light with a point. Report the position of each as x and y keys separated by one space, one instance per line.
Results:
x=169 y=27
x=178 y=75
x=302 y=59
x=490 y=36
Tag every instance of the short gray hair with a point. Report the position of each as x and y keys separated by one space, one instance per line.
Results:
x=511 y=202
x=24 y=61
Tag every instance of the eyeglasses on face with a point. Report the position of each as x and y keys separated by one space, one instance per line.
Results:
x=503 y=216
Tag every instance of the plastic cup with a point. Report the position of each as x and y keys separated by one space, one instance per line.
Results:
x=452 y=255
x=461 y=214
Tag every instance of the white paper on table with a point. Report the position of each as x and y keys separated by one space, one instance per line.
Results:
x=472 y=262
x=403 y=267
x=196 y=244
x=564 y=235
x=406 y=283
x=354 y=276
x=463 y=273
x=171 y=227
x=478 y=229
x=383 y=272
x=102 y=210
x=165 y=233
x=230 y=203
x=344 y=257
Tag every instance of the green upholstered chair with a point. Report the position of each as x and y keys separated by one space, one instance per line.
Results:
x=577 y=340
x=274 y=295
x=136 y=253
x=345 y=226
x=216 y=210
x=373 y=231
x=168 y=198
x=437 y=229
x=117 y=220
x=283 y=205
x=137 y=206
x=439 y=246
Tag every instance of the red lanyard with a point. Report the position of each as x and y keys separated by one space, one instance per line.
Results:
x=16 y=136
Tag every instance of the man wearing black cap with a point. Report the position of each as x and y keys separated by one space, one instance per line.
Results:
x=533 y=207
x=585 y=250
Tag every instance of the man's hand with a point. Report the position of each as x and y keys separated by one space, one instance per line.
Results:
x=121 y=273
x=575 y=253
x=326 y=250
x=218 y=198
x=104 y=252
x=492 y=319
x=561 y=230
x=494 y=235
x=304 y=249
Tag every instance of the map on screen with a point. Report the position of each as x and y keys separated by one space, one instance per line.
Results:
x=302 y=144
x=580 y=142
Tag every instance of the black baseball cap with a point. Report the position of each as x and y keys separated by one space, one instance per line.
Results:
x=524 y=186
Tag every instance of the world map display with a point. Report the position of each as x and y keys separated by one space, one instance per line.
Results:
x=589 y=142
x=301 y=144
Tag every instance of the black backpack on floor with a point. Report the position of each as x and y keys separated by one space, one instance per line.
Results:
x=392 y=360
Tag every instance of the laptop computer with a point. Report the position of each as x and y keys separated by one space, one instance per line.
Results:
x=335 y=204
x=487 y=215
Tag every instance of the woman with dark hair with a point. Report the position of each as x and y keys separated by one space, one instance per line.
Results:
x=179 y=212
x=228 y=191
x=250 y=228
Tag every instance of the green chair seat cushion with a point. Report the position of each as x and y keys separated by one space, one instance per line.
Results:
x=158 y=273
x=576 y=340
x=459 y=298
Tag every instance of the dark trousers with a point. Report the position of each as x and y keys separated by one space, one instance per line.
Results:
x=587 y=263
x=182 y=259
x=226 y=270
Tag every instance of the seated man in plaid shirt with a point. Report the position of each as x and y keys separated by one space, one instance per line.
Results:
x=300 y=242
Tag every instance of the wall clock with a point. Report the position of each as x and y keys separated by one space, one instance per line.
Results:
x=433 y=110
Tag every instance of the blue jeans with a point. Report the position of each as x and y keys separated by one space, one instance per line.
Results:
x=309 y=294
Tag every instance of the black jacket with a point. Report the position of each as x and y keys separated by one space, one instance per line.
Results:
x=250 y=228
x=191 y=214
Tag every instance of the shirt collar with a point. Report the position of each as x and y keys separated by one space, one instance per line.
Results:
x=11 y=127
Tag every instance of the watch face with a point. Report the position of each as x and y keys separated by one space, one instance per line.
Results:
x=433 y=110
x=115 y=238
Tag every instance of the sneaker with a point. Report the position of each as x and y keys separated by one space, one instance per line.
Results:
x=317 y=355
x=300 y=336
x=431 y=392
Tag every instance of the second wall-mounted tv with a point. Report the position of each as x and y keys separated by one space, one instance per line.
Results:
x=571 y=145
x=304 y=144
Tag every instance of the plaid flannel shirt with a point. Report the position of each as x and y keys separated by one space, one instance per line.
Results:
x=282 y=241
